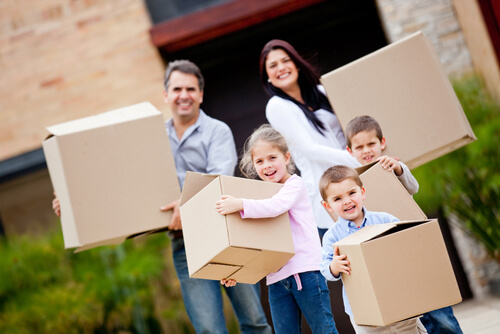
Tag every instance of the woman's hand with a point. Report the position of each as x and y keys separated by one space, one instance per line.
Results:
x=228 y=204
x=339 y=263
x=228 y=282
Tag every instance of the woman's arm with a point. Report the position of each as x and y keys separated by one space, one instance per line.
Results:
x=289 y=120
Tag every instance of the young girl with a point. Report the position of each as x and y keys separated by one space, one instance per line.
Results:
x=298 y=287
x=299 y=110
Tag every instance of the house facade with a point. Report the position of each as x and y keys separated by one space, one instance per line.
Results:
x=63 y=60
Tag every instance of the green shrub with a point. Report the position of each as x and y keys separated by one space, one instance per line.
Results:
x=46 y=289
x=466 y=182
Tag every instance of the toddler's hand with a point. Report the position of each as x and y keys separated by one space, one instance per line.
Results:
x=228 y=204
x=228 y=282
x=339 y=263
x=391 y=164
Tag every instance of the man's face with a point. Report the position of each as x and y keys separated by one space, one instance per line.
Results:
x=183 y=95
x=366 y=147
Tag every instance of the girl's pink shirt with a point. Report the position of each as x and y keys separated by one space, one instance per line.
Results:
x=294 y=199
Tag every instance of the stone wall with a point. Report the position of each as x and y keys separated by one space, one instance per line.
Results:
x=437 y=20
x=66 y=59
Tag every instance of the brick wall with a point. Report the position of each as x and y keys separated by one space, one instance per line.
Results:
x=66 y=59
x=437 y=20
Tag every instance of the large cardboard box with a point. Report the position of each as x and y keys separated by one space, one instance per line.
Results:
x=404 y=87
x=385 y=193
x=398 y=271
x=111 y=172
x=228 y=246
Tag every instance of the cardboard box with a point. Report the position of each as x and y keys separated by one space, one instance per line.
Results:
x=111 y=172
x=385 y=193
x=228 y=246
x=398 y=271
x=404 y=87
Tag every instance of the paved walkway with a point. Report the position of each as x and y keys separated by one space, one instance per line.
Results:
x=479 y=316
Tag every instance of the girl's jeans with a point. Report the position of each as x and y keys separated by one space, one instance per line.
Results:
x=288 y=304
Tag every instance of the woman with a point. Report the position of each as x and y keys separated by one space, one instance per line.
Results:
x=301 y=112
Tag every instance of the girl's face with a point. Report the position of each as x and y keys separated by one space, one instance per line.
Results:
x=282 y=71
x=269 y=162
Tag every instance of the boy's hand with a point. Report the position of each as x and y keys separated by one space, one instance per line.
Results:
x=228 y=282
x=175 y=222
x=391 y=164
x=228 y=204
x=339 y=263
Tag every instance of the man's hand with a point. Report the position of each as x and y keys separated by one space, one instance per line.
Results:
x=339 y=263
x=56 y=206
x=228 y=204
x=175 y=222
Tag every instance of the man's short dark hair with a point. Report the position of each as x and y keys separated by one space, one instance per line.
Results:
x=184 y=66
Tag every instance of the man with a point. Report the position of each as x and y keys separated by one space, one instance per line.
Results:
x=203 y=144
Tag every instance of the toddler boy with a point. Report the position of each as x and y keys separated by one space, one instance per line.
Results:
x=365 y=142
x=343 y=193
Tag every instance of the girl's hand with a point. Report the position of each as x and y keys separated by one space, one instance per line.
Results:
x=391 y=164
x=228 y=204
x=228 y=282
x=339 y=263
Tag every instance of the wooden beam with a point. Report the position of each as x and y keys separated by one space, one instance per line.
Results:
x=201 y=26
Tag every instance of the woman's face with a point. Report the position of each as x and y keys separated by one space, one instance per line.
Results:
x=282 y=71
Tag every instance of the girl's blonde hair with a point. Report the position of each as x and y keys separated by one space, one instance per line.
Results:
x=268 y=134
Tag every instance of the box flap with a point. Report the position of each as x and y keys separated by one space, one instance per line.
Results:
x=58 y=180
x=216 y=271
x=193 y=183
x=121 y=115
x=385 y=193
x=205 y=230
x=248 y=232
x=109 y=242
x=365 y=234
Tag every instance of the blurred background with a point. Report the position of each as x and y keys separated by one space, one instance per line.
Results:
x=65 y=59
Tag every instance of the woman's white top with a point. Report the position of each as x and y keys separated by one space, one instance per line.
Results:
x=311 y=151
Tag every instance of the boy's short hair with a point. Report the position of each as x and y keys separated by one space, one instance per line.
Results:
x=337 y=174
x=362 y=123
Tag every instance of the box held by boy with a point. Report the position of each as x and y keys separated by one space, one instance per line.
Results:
x=385 y=193
x=219 y=246
x=404 y=87
x=398 y=271
x=111 y=173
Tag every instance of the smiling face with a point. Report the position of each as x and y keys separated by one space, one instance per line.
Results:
x=282 y=71
x=183 y=96
x=269 y=162
x=345 y=199
x=366 y=147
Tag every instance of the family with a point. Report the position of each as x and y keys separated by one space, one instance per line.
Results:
x=303 y=132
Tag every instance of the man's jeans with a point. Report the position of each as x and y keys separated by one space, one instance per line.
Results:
x=203 y=300
x=441 y=321
x=288 y=304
